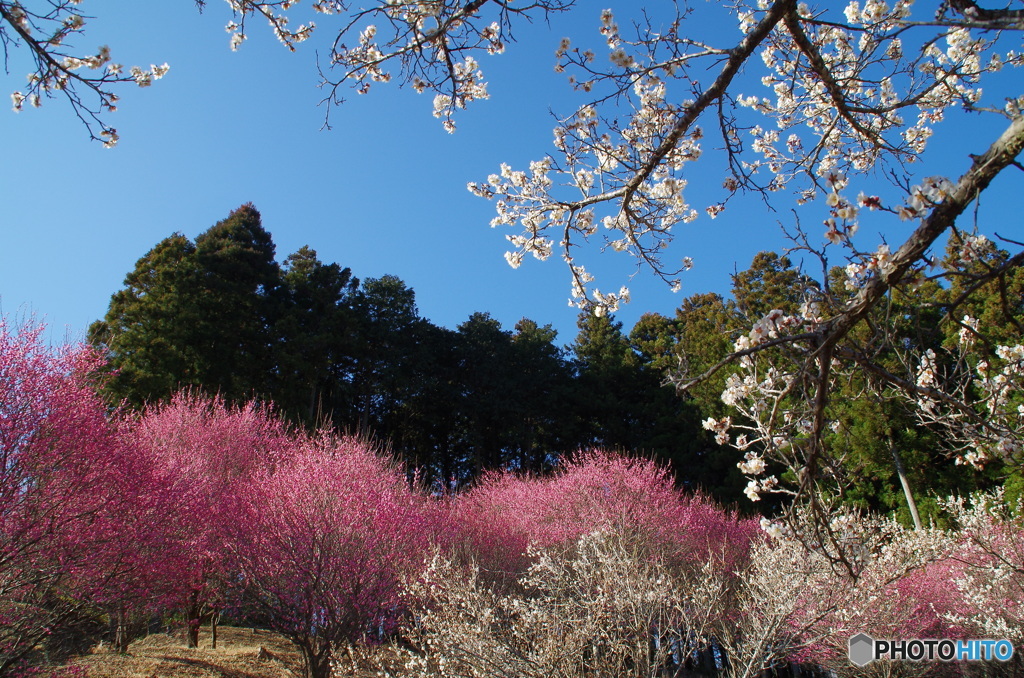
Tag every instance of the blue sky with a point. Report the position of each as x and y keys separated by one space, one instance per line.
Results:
x=383 y=192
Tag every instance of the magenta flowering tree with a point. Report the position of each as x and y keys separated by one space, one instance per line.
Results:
x=64 y=480
x=608 y=489
x=505 y=513
x=322 y=544
x=200 y=453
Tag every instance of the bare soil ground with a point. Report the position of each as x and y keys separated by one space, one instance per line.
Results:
x=240 y=653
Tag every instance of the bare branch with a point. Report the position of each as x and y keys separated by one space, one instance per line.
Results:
x=983 y=170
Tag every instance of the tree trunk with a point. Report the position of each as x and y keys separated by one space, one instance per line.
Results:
x=193 y=618
x=312 y=415
x=901 y=472
x=316 y=659
x=214 y=619
x=121 y=636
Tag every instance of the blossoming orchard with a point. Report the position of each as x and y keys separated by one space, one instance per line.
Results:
x=603 y=567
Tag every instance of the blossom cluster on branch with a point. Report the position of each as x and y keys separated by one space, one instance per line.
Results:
x=84 y=80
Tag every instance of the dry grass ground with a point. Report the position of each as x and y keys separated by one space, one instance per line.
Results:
x=240 y=653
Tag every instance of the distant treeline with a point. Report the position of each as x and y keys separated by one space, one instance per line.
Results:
x=220 y=315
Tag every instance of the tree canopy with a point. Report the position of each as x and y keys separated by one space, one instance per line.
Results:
x=196 y=314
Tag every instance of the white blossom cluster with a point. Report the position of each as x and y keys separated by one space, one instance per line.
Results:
x=992 y=580
x=968 y=331
x=1001 y=392
x=992 y=426
x=48 y=31
x=604 y=589
x=882 y=553
x=973 y=248
x=843 y=224
x=852 y=86
x=923 y=197
x=427 y=44
x=274 y=11
x=589 y=609
x=592 y=162
x=846 y=92
x=469 y=87
x=772 y=411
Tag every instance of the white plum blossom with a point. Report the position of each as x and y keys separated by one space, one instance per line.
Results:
x=973 y=248
x=969 y=332
x=752 y=465
x=773 y=529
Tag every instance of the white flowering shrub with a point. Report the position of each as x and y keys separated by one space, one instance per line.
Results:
x=605 y=606
x=990 y=576
x=976 y=397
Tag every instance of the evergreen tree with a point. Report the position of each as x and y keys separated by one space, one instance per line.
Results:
x=314 y=334
x=989 y=288
x=480 y=398
x=612 y=386
x=195 y=314
x=426 y=424
x=488 y=404
x=543 y=383
x=698 y=337
x=770 y=282
x=239 y=278
x=151 y=330
x=706 y=326
x=388 y=329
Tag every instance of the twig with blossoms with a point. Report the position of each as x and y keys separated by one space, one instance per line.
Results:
x=274 y=12
x=46 y=31
x=640 y=173
x=843 y=84
x=980 y=409
x=432 y=42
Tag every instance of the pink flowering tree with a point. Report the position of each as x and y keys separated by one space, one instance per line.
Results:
x=65 y=482
x=505 y=513
x=323 y=542
x=201 y=454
